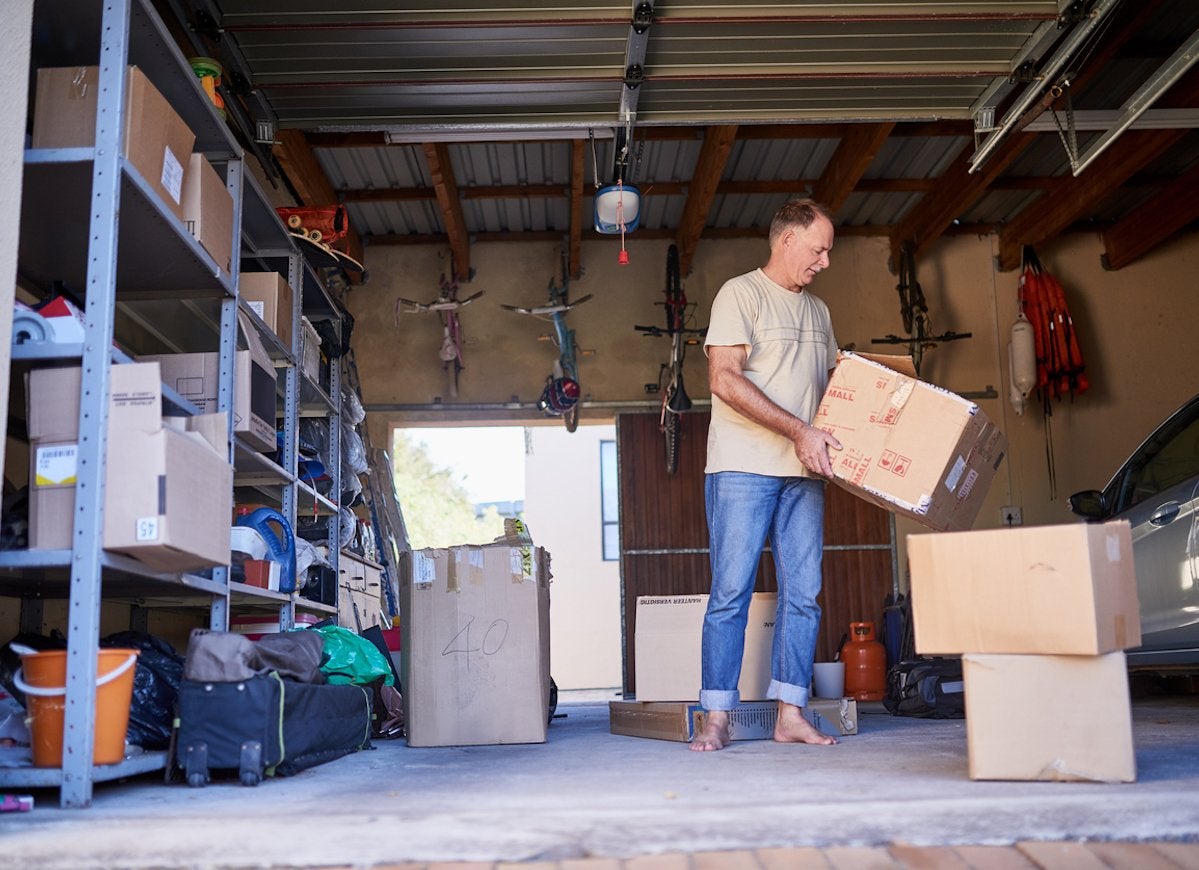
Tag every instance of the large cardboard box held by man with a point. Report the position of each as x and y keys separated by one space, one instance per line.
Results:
x=1059 y=590
x=476 y=644
x=908 y=446
x=168 y=489
x=667 y=647
x=1045 y=717
x=158 y=143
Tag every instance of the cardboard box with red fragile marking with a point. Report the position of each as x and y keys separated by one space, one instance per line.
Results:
x=907 y=445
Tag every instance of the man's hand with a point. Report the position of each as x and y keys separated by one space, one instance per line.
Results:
x=812 y=446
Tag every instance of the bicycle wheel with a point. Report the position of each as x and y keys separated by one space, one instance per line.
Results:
x=671 y=434
x=674 y=291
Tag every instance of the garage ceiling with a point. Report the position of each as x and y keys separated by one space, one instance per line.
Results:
x=473 y=120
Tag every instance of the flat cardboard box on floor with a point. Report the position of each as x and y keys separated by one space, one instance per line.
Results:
x=270 y=297
x=168 y=482
x=1045 y=717
x=158 y=143
x=196 y=377
x=208 y=211
x=1064 y=590
x=908 y=446
x=667 y=647
x=476 y=657
x=753 y=720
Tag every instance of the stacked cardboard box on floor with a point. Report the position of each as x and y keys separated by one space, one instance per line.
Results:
x=476 y=644
x=1041 y=617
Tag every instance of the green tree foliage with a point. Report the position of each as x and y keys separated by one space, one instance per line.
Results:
x=437 y=510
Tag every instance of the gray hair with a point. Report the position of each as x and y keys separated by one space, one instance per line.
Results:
x=797 y=212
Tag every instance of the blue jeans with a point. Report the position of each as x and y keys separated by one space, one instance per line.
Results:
x=744 y=510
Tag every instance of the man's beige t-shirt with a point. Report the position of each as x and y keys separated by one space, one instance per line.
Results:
x=790 y=351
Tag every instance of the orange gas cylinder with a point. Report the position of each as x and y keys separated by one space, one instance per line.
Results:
x=865 y=664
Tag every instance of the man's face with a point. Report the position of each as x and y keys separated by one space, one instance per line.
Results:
x=806 y=251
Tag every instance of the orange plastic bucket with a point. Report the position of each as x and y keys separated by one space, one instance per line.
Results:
x=43 y=679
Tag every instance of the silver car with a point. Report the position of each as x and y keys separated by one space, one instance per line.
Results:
x=1157 y=491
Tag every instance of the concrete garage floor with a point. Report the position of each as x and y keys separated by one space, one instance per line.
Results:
x=894 y=795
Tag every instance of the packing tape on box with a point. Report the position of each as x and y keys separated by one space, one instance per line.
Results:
x=467 y=562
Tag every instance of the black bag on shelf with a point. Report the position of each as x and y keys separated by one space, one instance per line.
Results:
x=926 y=688
x=267 y=726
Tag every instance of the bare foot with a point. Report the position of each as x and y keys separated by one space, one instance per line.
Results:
x=792 y=727
x=715 y=733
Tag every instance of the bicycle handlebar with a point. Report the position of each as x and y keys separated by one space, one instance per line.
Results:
x=658 y=332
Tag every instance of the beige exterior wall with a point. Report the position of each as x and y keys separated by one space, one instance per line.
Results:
x=563 y=511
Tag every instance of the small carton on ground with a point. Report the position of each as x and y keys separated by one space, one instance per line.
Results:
x=667 y=647
x=1066 y=590
x=754 y=720
x=908 y=446
x=196 y=377
x=1045 y=717
x=157 y=141
x=168 y=483
x=476 y=657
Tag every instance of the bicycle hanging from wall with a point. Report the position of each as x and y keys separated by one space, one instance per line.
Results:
x=446 y=305
x=679 y=328
x=914 y=309
x=561 y=394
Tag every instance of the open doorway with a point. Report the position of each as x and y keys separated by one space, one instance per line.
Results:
x=456 y=485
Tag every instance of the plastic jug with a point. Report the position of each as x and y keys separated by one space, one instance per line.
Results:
x=865 y=664
x=281 y=543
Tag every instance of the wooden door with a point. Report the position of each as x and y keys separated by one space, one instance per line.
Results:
x=664 y=537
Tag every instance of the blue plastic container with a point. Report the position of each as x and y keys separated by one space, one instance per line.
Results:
x=276 y=531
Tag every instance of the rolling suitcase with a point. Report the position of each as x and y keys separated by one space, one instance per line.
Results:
x=267 y=726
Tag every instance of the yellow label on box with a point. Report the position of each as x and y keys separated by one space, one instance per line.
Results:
x=56 y=466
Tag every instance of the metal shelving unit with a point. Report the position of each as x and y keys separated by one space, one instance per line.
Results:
x=90 y=220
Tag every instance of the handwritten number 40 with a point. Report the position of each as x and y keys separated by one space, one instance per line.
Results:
x=491 y=643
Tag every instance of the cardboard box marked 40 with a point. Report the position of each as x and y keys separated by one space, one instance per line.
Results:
x=908 y=446
x=476 y=645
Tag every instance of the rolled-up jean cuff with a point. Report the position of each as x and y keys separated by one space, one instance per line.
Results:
x=787 y=693
x=719 y=699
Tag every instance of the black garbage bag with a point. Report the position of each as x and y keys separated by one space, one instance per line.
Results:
x=10 y=660
x=155 y=687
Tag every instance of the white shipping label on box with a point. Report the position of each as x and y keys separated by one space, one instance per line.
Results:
x=258 y=307
x=147 y=529
x=56 y=465
x=172 y=175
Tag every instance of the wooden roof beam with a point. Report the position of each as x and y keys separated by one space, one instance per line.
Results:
x=442 y=173
x=856 y=151
x=713 y=155
x=1152 y=222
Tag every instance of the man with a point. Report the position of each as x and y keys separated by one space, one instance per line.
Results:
x=770 y=350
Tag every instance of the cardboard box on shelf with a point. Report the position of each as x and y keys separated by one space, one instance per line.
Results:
x=208 y=210
x=158 y=143
x=168 y=481
x=310 y=350
x=196 y=376
x=1066 y=589
x=908 y=446
x=270 y=297
x=667 y=647
x=1046 y=717
x=754 y=720
x=476 y=647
